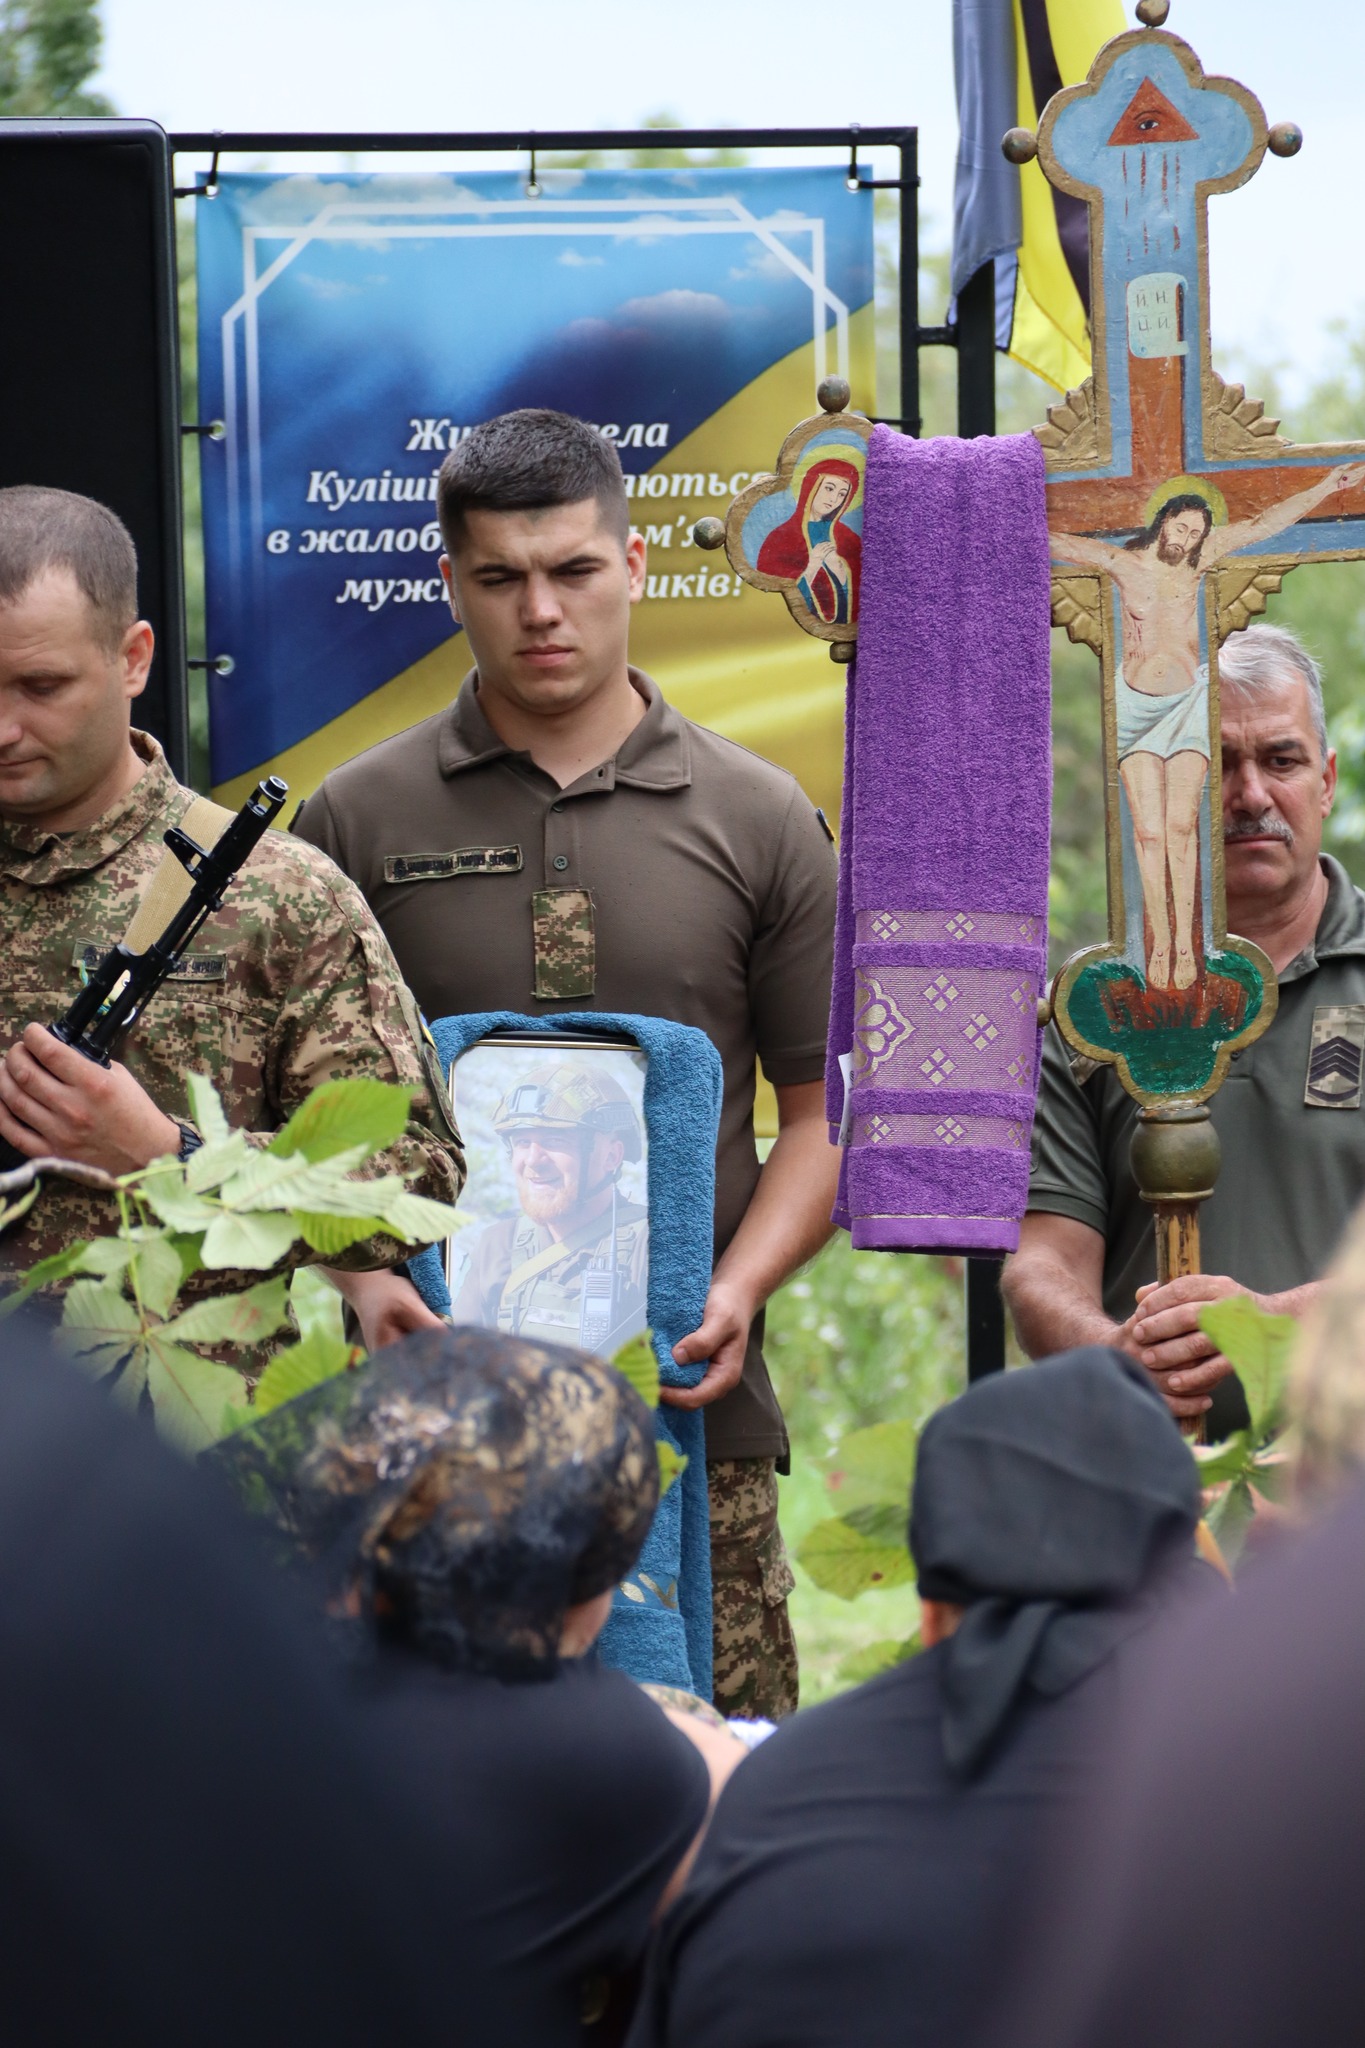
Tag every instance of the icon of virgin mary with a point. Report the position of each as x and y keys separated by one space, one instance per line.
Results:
x=815 y=549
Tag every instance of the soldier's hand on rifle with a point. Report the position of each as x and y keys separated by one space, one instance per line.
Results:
x=722 y=1337
x=55 y=1101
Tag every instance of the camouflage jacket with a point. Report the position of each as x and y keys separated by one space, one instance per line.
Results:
x=290 y=984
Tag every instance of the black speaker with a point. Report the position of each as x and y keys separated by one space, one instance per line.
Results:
x=89 y=363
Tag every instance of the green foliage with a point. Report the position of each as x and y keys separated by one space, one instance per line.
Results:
x=843 y=1559
x=304 y=1365
x=231 y=1207
x=858 y=1336
x=855 y=1338
x=1260 y=1347
x=341 y=1115
x=874 y=1467
x=636 y=1362
x=48 y=50
x=315 y=1303
x=864 y=1547
x=871 y=1661
x=672 y=1465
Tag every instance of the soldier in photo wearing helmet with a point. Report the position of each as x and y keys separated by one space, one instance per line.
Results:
x=572 y=1267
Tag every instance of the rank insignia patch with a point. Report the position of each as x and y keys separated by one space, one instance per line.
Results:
x=1335 y=1057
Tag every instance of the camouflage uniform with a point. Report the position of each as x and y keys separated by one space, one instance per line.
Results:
x=553 y=1302
x=589 y=1286
x=755 y=1675
x=290 y=984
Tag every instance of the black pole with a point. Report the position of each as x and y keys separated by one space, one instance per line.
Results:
x=976 y=354
x=909 y=283
x=983 y=1304
x=984 y=1308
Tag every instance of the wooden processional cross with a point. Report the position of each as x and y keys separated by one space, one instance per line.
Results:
x=1174 y=507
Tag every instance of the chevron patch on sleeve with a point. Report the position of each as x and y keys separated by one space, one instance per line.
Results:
x=1335 y=1057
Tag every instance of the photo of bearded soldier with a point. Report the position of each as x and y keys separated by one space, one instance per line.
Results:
x=572 y=1266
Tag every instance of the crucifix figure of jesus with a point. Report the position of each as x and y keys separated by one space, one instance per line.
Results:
x=1174 y=508
x=1161 y=685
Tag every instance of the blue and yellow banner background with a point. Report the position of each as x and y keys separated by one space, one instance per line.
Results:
x=352 y=327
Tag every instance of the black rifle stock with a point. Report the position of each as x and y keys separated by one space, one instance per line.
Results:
x=119 y=988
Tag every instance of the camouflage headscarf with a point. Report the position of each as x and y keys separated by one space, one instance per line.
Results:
x=460 y=1492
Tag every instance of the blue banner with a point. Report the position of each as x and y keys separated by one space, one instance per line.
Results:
x=352 y=328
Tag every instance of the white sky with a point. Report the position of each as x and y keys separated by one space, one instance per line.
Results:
x=1287 y=251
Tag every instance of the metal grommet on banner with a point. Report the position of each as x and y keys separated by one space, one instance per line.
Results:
x=217 y=664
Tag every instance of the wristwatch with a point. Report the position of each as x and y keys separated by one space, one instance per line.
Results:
x=190 y=1140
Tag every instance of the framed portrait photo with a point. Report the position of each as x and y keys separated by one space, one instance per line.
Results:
x=552 y=1241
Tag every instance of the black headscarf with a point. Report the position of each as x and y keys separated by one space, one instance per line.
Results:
x=1045 y=1502
x=461 y=1492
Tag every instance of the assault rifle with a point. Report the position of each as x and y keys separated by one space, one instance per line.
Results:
x=119 y=987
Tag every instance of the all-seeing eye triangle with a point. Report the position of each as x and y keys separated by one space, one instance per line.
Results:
x=1150 y=118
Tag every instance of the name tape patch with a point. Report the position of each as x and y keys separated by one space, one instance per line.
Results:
x=86 y=955
x=1336 y=1056
x=443 y=867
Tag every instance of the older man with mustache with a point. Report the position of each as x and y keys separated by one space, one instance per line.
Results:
x=1288 y=1116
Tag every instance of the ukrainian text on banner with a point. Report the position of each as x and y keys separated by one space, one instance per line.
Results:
x=352 y=328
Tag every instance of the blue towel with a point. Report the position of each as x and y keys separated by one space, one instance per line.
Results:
x=660 y=1625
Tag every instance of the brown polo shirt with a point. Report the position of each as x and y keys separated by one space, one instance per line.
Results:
x=711 y=881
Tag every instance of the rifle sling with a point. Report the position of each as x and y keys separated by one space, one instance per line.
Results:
x=169 y=888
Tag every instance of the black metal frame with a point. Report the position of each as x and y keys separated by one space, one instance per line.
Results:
x=973 y=336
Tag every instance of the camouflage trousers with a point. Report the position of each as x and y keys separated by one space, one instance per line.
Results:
x=755 y=1651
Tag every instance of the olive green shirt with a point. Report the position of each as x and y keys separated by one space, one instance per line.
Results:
x=711 y=883
x=1293 y=1165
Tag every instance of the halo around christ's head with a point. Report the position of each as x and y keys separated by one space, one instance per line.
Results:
x=1187 y=486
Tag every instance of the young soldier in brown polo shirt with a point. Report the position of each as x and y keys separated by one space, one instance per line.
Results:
x=601 y=852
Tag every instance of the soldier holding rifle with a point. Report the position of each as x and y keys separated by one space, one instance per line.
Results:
x=290 y=984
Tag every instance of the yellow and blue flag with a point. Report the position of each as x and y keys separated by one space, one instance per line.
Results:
x=1010 y=56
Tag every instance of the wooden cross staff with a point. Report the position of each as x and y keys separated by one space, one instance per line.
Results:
x=1174 y=507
